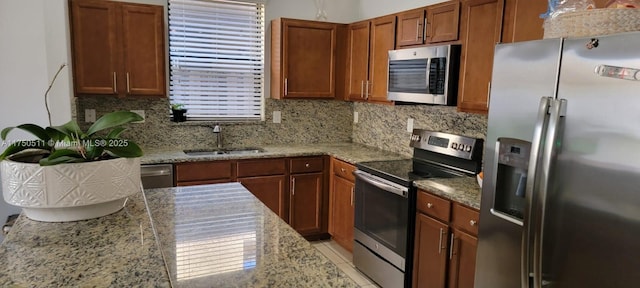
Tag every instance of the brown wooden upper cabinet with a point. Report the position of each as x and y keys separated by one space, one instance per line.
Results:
x=522 y=20
x=118 y=48
x=303 y=59
x=440 y=25
x=368 y=45
x=480 y=31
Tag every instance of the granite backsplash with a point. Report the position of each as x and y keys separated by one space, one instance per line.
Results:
x=385 y=126
x=303 y=121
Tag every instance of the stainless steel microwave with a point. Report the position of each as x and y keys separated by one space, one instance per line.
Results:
x=427 y=75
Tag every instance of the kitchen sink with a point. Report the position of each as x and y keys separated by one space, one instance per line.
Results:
x=226 y=151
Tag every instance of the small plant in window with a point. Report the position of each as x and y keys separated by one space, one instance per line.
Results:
x=179 y=112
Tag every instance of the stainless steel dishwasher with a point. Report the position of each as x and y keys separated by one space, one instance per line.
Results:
x=156 y=175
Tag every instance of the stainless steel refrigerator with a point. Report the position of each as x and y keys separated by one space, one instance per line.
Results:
x=561 y=194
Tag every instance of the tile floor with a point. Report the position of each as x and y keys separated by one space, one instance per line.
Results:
x=344 y=260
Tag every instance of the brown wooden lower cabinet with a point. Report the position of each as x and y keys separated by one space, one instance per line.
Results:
x=305 y=214
x=293 y=188
x=462 y=265
x=206 y=172
x=445 y=245
x=341 y=216
x=271 y=191
x=430 y=265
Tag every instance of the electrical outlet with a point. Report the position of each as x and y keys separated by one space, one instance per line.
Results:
x=277 y=116
x=355 y=116
x=89 y=115
x=410 y=125
x=141 y=113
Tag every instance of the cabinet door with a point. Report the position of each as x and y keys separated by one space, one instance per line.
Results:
x=481 y=28
x=95 y=48
x=358 y=60
x=462 y=265
x=306 y=203
x=522 y=20
x=143 y=50
x=410 y=28
x=271 y=191
x=443 y=22
x=341 y=218
x=308 y=59
x=430 y=252
x=382 y=40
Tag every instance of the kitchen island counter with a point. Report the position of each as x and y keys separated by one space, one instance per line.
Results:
x=205 y=236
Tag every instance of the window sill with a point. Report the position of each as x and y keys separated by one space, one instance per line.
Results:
x=214 y=122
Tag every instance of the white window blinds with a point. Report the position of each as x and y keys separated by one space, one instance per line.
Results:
x=216 y=53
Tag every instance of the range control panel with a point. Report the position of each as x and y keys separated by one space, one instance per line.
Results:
x=446 y=143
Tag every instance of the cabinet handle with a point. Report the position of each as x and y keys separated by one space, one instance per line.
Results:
x=293 y=186
x=440 y=242
x=418 y=34
x=472 y=223
x=426 y=27
x=451 y=246
x=352 y=195
x=429 y=205
x=115 y=83
x=286 y=87
x=306 y=165
x=366 y=94
x=362 y=89
x=343 y=170
x=128 y=87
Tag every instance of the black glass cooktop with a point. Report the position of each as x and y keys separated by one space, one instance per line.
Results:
x=406 y=171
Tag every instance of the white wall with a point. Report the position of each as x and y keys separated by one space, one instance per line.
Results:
x=374 y=8
x=34 y=44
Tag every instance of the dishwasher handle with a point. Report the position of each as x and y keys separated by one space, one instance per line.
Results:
x=155 y=170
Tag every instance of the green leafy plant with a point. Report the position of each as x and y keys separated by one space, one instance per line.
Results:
x=177 y=106
x=69 y=144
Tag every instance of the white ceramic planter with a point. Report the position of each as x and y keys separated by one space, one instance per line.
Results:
x=70 y=192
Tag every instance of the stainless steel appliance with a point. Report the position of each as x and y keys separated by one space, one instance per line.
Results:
x=156 y=175
x=385 y=201
x=427 y=75
x=561 y=197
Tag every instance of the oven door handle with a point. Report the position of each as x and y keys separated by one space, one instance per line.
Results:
x=383 y=184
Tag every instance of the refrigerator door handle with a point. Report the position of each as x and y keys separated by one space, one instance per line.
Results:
x=557 y=110
x=536 y=147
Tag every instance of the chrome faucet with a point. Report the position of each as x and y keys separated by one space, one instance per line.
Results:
x=218 y=131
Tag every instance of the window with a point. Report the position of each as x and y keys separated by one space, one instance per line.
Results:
x=216 y=55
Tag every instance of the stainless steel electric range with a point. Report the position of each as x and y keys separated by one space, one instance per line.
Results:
x=385 y=201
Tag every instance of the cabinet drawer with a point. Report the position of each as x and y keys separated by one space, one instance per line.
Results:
x=344 y=170
x=465 y=219
x=198 y=171
x=261 y=167
x=434 y=206
x=306 y=165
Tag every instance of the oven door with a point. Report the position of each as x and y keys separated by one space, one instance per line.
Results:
x=382 y=217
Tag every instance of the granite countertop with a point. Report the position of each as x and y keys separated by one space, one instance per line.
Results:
x=117 y=250
x=205 y=236
x=348 y=152
x=221 y=235
x=464 y=190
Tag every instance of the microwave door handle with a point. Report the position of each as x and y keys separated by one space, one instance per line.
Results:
x=428 y=74
x=375 y=181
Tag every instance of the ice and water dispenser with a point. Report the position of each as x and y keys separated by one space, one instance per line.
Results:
x=511 y=179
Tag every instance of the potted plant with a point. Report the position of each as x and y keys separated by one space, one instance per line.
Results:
x=179 y=112
x=67 y=174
